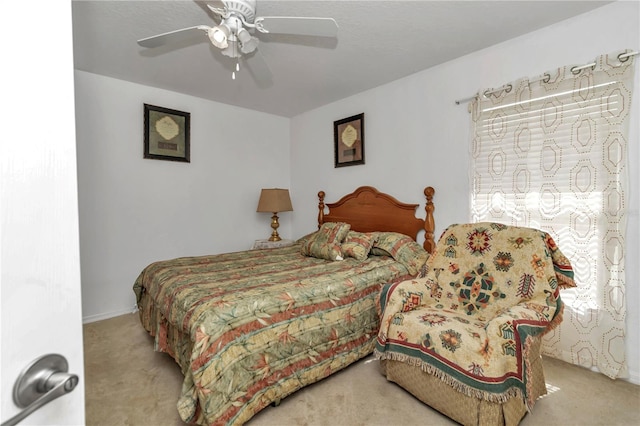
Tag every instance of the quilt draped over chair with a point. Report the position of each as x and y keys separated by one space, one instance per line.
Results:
x=489 y=293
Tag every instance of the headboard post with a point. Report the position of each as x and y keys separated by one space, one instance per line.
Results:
x=320 y=208
x=429 y=223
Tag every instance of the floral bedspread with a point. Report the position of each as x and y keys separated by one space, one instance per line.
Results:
x=488 y=290
x=250 y=328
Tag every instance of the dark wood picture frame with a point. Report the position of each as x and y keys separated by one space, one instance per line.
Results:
x=348 y=139
x=166 y=134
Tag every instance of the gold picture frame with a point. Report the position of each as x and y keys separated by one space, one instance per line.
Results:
x=166 y=134
x=348 y=139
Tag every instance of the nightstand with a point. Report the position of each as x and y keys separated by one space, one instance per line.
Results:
x=266 y=244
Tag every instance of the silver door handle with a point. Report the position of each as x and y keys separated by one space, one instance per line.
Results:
x=42 y=381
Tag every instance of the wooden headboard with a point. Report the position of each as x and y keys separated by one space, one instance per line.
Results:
x=367 y=210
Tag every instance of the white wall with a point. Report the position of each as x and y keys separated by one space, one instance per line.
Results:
x=415 y=135
x=134 y=211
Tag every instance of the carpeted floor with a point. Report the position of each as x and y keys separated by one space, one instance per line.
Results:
x=127 y=383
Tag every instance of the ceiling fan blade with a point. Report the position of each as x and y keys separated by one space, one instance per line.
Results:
x=322 y=27
x=173 y=36
x=259 y=69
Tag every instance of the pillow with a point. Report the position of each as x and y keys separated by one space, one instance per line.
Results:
x=358 y=245
x=391 y=242
x=403 y=249
x=325 y=244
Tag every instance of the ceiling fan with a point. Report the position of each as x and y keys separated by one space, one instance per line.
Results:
x=235 y=35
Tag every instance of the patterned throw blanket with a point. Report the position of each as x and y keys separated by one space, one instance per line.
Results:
x=488 y=290
x=250 y=328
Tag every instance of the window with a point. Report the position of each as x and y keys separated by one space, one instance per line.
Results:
x=550 y=153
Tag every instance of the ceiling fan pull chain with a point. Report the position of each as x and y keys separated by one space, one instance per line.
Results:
x=235 y=46
x=233 y=74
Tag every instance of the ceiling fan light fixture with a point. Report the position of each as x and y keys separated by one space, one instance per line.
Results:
x=249 y=46
x=243 y=35
x=232 y=49
x=219 y=35
x=248 y=43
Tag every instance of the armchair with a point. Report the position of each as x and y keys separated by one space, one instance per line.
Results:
x=465 y=338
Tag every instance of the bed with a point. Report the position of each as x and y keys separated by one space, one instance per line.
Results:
x=249 y=328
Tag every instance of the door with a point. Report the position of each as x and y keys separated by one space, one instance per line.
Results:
x=39 y=245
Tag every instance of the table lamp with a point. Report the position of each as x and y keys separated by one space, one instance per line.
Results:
x=273 y=201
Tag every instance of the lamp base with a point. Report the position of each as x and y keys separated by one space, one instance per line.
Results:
x=274 y=226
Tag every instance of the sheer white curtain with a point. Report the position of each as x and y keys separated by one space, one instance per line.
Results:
x=551 y=153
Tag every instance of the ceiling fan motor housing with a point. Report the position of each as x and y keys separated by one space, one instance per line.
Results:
x=246 y=8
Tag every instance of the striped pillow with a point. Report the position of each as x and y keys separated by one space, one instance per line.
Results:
x=403 y=249
x=358 y=245
x=325 y=244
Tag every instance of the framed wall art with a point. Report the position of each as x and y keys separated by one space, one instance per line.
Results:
x=166 y=134
x=348 y=135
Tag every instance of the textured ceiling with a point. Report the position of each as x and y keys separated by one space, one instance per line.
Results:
x=378 y=42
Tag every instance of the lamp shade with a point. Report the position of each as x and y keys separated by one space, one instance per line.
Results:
x=274 y=200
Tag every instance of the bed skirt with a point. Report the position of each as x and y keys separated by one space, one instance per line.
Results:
x=167 y=338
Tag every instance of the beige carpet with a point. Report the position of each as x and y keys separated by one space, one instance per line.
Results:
x=127 y=383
